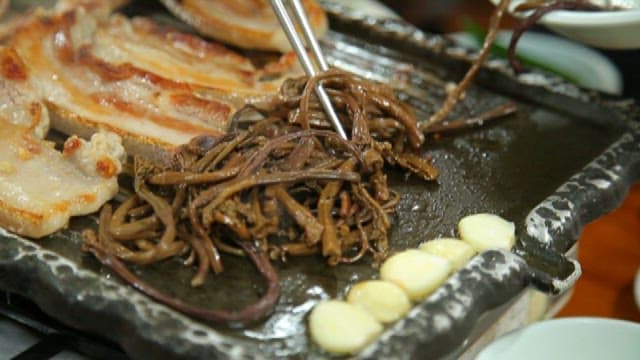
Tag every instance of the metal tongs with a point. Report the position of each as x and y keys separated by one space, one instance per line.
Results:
x=296 y=43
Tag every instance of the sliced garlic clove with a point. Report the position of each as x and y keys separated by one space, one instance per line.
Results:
x=416 y=272
x=487 y=231
x=341 y=328
x=454 y=250
x=386 y=301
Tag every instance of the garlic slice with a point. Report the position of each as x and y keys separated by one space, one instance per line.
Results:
x=416 y=272
x=454 y=250
x=386 y=301
x=342 y=328
x=487 y=231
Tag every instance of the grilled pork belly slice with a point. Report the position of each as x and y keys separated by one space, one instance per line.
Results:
x=40 y=187
x=249 y=24
x=23 y=11
x=21 y=107
x=185 y=58
x=154 y=87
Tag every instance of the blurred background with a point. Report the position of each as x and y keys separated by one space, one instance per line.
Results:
x=451 y=16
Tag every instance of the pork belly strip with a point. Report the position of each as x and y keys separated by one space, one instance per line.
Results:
x=40 y=187
x=249 y=24
x=155 y=87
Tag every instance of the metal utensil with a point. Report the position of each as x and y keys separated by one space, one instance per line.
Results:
x=296 y=43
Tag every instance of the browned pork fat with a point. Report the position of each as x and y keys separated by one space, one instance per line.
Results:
x=249 y=24
x=4 y=5
x=155 y=87
x=104 y=6
x=40 y=187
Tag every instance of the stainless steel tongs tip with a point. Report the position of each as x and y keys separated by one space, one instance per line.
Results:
x=296 y=43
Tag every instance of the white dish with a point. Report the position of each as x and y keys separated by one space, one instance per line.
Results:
x=583 y=65
x=568 y=338
x=603 y=29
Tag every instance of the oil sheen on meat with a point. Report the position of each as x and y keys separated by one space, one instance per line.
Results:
x=245 y=23
x=41 y=187
x=155 y=87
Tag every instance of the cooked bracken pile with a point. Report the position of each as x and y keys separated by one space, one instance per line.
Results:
x=285 y=186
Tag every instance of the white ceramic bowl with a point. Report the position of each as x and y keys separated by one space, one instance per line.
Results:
x=580 y=64
x=581 y=338
x=603 y=29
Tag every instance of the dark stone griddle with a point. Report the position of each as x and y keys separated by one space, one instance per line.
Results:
x=567 y=157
